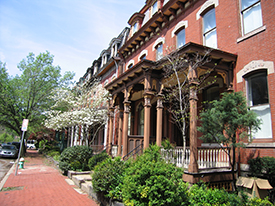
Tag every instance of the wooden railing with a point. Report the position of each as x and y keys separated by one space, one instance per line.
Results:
x=208 y=157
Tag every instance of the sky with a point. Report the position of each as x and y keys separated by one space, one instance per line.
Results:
x=74 y=31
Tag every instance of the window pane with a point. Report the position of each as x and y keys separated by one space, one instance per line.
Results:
x=247 y=3
x=209 y=21
x=211 y=39
x=159 y=52
x=258 y=92
x=263 y=113
x=155 y=7
x=181 y=38
x=252 y=18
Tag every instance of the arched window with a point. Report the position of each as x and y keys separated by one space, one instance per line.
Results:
x=258 y=100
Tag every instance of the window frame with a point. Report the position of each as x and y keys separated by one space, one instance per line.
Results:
x=250 y=7
x=177 y=37
x=209 y=31
x=159 y=54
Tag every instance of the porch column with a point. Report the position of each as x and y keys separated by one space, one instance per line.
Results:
x=147 y=113
x=159 y=120
x=193 y=99
x=120 y=123
x=125 y=128
x=111 y=120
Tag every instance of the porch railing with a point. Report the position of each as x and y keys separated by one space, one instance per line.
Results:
x=208 y=157
x=134 y=152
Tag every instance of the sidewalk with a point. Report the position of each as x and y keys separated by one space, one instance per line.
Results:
x=41 y=184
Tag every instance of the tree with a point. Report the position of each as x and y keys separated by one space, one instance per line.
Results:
x=179 y=82
x=82 y=106
x=228 y=122
x=27 y=96
x=6 y=138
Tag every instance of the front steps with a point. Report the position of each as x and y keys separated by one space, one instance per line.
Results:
x=83 y=181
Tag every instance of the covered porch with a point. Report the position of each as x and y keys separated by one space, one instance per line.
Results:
x=138 y=115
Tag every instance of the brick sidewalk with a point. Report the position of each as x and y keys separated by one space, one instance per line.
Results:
x=41 y=184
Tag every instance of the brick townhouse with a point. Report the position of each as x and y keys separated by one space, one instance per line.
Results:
x=240 y=37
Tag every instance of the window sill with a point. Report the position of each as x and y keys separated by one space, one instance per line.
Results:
x=252 y=33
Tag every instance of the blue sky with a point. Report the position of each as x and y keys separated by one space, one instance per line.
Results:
x=74 y=31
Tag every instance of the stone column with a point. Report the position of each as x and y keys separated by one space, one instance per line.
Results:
x=125 y=128
x=147 y=113
x=159 y=120
x=120 y=123
x=111 y=122
x=193 y=99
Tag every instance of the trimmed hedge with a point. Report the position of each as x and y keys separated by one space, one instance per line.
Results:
x=96 y=159
x=75 y=158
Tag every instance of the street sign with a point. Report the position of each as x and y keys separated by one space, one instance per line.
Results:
x=25 y=125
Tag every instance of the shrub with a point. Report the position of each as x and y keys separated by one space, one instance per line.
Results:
x=96 y=159
x=108 y=176
x=200 y=195
x=151 y=181
x=75 y=158
x=259 y=202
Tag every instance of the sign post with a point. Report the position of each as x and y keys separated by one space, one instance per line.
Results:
x=24 y=129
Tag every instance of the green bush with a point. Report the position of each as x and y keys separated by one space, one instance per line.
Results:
x=201 y=196
x=75 y=158
x=108 y=176
x=259 y=202
x=151 y=181
x=96 y=159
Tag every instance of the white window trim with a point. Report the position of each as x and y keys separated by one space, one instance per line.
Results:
x=144 y=52
x=253 y=66
x=113 y=77
x=179 y=26
x=157 y=42
x=129 y=63
x=205 y=6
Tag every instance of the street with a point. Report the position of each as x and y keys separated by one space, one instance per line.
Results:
x=5 y=165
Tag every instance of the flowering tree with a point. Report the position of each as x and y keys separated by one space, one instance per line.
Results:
x=85 y=105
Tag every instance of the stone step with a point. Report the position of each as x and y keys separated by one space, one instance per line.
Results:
x=86 y=186
x=79 y=179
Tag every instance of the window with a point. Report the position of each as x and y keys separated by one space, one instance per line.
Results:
x=143 y=54
x=258 y=100
x=210 y=94
x=141 y=120
x=251 y=15
x=257 y=89
x=154 y=8
x=143 y=57
x=135 y=27
x=209 y=29
x=159 y=51
x=130 y=64
x=180 y=38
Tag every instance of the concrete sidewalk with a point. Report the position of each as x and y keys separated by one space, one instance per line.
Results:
x=39 y=183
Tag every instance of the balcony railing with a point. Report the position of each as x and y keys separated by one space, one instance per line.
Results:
x=208 y=157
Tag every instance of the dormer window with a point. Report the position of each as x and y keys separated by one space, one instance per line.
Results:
x=114 y=50
x=154 y=8
x=135 y=27
x=104 y=60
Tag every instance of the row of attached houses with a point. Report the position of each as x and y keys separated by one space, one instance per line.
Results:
x=239 y=35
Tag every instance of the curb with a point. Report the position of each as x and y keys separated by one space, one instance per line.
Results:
x=7 y=175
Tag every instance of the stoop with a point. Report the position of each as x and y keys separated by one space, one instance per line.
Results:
x=79 y=179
